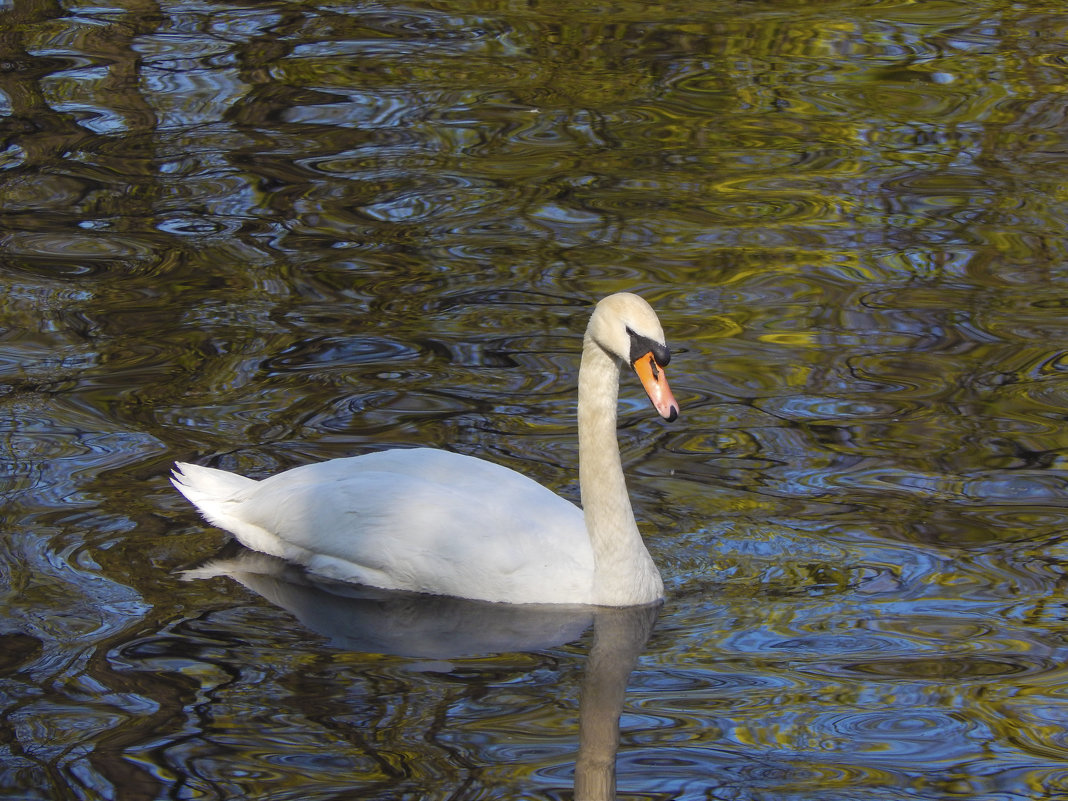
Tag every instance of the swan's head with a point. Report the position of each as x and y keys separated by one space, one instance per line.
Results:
x=626 y=327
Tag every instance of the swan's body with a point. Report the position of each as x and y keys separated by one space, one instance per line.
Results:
x=428 y=520
x=421 y=519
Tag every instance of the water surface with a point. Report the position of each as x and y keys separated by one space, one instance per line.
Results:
x=260 y=235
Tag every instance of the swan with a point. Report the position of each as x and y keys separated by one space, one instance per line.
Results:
x=432 y=521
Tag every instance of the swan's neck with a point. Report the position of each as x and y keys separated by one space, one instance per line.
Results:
x=624 y=573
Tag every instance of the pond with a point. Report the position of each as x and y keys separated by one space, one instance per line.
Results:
x=260 y=235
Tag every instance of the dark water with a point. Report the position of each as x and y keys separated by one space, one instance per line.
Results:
x=256 y=235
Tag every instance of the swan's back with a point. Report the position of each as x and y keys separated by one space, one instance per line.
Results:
x=421 y=519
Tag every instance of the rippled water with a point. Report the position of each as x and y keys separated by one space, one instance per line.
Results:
x=259 y=235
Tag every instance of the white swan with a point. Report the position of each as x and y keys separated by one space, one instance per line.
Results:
x=431 y=521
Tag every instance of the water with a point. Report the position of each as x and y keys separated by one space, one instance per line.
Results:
x=260 y=235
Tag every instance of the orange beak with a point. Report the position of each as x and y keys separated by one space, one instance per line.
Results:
x=654 y=379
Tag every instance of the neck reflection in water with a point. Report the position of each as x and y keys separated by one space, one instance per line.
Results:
x=368 y=620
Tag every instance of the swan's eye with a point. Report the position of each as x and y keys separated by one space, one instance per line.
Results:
x=641 y=345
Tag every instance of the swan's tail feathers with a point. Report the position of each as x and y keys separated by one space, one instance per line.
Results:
x=216 y=493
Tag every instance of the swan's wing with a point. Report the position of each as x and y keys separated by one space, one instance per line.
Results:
x=428 y=521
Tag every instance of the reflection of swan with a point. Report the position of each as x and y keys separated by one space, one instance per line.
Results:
x=404 y=624
x=431 y=521
x=619 y=635
x=375 y=621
